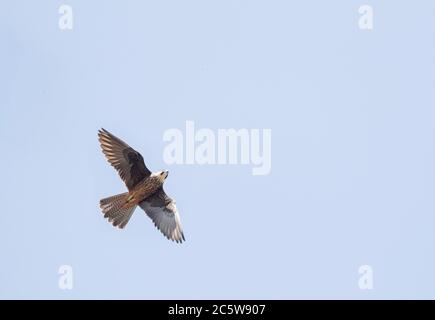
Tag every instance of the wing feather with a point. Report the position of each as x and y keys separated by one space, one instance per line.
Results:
x=163 y=212
x=128 y=162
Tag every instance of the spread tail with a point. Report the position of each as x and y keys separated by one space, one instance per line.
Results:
x=113 y=210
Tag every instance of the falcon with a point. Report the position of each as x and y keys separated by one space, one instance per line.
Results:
x=145 y=189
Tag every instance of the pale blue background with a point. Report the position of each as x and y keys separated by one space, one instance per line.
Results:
x=353 y=156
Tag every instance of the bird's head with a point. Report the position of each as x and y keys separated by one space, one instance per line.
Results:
x=163 y=175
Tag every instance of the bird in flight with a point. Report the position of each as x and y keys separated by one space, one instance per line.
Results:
x=145 y=188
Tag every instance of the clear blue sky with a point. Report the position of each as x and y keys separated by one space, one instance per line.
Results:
x=353 y=147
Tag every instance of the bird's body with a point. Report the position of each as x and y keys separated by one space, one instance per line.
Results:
x=144 y=189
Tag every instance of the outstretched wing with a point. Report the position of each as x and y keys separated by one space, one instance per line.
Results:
x=127 y=161
x=162 y=210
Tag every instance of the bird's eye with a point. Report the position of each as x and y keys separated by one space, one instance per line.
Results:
x=161 y=173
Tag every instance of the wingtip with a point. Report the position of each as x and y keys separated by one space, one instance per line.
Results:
x=181 y=239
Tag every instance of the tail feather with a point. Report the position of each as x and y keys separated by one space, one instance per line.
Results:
x=113 y=210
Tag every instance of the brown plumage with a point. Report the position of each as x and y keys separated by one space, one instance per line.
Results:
x=144 y=189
